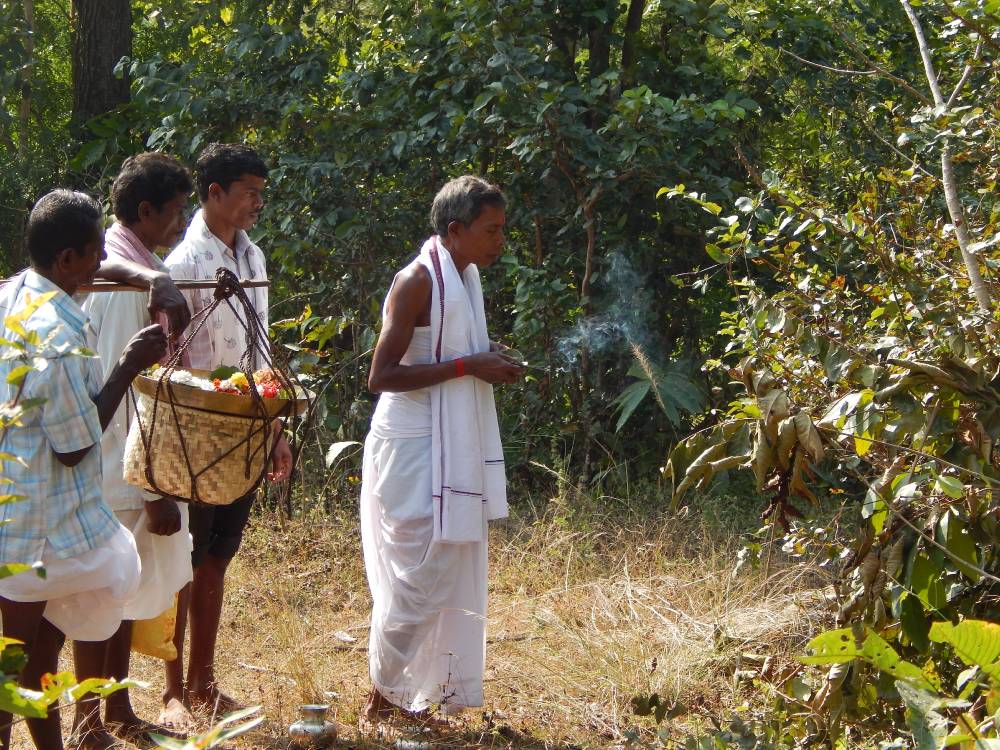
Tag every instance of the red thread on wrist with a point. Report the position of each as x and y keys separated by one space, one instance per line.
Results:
x=459 y=367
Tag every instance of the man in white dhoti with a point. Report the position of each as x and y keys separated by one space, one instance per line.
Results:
x=150 y=198
x=90 y=559
x=433 y=465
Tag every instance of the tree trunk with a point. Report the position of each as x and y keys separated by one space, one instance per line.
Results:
x=599 y=44
x=24 y=113
x=949 y=182
x=633 y=24
x=103 y=37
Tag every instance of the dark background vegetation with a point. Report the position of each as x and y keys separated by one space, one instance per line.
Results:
x=580 y=110
x=728 y=245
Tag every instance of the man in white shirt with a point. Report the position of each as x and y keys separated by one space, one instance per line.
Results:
x=231 y=179
x=150 y=198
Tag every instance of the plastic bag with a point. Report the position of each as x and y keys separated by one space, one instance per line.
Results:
x=155 y=637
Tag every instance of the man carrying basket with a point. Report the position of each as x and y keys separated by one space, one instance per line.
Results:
x=90 y=559
x=150 y=199
x=230 y=181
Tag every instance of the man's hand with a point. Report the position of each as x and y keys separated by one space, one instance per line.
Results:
x=281 y=460
x=493 y=367
x=144 y=349
x=165 y=297
x=164 y=516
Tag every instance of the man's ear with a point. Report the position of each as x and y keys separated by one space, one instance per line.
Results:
x=454 y=226
x=64 y=258
x=215 y=191
x=145 y=210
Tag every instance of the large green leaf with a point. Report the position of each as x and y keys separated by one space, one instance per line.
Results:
x=914 y=621
x=102 y=687
x=628 y=400
x=928 y=725
x=20 y=701
x=954 y=535
x=674 y=390
x=975 y=642
x=924 y=580
x=847 y=644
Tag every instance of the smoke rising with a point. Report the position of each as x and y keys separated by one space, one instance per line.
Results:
x=622 y=322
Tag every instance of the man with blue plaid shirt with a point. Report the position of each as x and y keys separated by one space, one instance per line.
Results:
x=89 y=558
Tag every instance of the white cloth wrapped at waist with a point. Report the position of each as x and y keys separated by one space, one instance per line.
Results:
x=427 y=644
x=85 y=595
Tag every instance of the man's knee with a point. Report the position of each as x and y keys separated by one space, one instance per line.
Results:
x=212 y=567
x=217 y=531
x=22 y=620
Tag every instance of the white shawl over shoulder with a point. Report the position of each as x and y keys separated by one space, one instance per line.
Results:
x=468 y=479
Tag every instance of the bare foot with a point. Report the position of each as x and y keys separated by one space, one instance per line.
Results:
x=379 y=709
x=89 y=732
x=135 y=730
x=213 y=702
x=176 y=717
x=94 y=738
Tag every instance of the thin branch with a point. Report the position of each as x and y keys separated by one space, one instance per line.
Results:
x=990 y=481
x=965 y=77
x=830 y=68
x=862 y=57
x=888 y=144
x=785 y=200
x=950 y=183
x=948 y=553
x=925 y=53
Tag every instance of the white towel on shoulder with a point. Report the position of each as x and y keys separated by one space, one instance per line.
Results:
x=468 y=478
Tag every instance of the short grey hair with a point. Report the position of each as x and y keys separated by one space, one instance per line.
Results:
x=462 y=199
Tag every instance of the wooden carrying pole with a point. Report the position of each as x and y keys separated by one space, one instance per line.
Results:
x=117 y=286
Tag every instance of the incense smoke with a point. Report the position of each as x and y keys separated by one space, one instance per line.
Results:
x=622 y=322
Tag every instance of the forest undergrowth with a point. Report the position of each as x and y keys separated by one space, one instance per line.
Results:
x=592 y=605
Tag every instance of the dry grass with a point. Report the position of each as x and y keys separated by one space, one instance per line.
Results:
x=584 y=614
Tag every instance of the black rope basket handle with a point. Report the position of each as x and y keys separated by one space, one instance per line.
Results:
x=258 y=349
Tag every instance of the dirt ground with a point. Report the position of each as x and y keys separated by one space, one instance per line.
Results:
x=581 y=620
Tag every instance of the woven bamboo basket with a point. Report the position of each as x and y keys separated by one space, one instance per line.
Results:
x=220 y=435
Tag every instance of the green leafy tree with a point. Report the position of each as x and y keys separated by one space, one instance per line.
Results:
x=866 y=354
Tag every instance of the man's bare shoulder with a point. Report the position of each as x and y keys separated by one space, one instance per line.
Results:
x=413 y=281
x=410 y=297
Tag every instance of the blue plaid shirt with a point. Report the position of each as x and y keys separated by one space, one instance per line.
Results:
x=62 y=504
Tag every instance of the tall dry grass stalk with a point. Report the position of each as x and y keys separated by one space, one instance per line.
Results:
x=647 y=368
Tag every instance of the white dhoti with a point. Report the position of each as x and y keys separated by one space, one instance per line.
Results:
x=85 y=595
x=166 y=560
x=166 y=564
x=428 y=634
